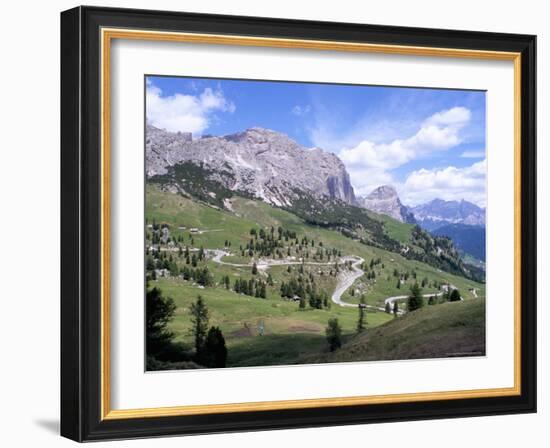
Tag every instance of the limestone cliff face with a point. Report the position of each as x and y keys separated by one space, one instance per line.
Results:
x=263 y=163
x=385 y=201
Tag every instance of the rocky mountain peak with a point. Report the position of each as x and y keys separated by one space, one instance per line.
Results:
x=384 y=200
x=383 y=192
x=439 y=212
x=259 y=162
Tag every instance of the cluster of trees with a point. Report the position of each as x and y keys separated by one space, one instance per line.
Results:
x=252 y=287
x=440 y=252
x=281 y=242
x=263 y=243
x=450 y=295
x=199 y=275
x=405 y=275
x=210 y=349
x=306 y=290
x=321 y=253
x=160 y=233
x=163 y=353
x=160 y=260
x=373 y=262
x=194 y=258
x=416 y=300
x=371 y=275
x=281 y=233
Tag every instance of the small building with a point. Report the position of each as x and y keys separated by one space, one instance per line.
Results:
x=162 y=273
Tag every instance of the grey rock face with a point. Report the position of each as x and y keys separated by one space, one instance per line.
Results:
x=385 y=201
x=264 y=163
x=438 y=213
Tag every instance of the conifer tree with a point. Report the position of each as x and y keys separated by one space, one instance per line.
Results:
x=199 y=320
x=415 y=301
x=334 y=334
x=361 y=319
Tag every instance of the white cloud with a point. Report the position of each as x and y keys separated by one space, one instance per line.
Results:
x=186 y=113
x=364 y=181
x=457 y=116
x=299 y=110
x=469 y=154
x=448 y=183
x=370 y=160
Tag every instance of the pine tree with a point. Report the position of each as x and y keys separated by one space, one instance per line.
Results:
x=395 y=308
x=334 y=334
x=199 y=320
x=454 y=296
x=361 y=319
x=254 y=269
x=214 y=353
x=415 y=301
x=159 y=312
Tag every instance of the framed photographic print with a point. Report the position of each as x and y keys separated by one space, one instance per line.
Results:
x=275 y=224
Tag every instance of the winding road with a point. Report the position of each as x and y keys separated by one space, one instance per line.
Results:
x=345 y=280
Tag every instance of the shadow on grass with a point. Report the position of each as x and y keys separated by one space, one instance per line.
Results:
x=269 y=350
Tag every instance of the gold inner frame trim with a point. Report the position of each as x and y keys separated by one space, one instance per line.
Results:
x=107 y=35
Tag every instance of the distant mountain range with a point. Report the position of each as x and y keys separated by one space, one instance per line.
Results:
x=461 y=221
x=438 y=213
x=312 y=183
x=271 y=166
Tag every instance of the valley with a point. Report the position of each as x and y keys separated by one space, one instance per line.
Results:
x=271 y=280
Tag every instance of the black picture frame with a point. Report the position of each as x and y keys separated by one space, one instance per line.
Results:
x=81 y=224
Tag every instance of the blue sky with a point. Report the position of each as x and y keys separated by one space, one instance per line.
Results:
x=426 y=142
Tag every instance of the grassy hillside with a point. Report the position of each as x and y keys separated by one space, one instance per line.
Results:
x=446 y=330
x=357 y=223
x=288 y=333
x=396 y=230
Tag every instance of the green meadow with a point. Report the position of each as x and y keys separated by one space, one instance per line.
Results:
x=275 y=330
